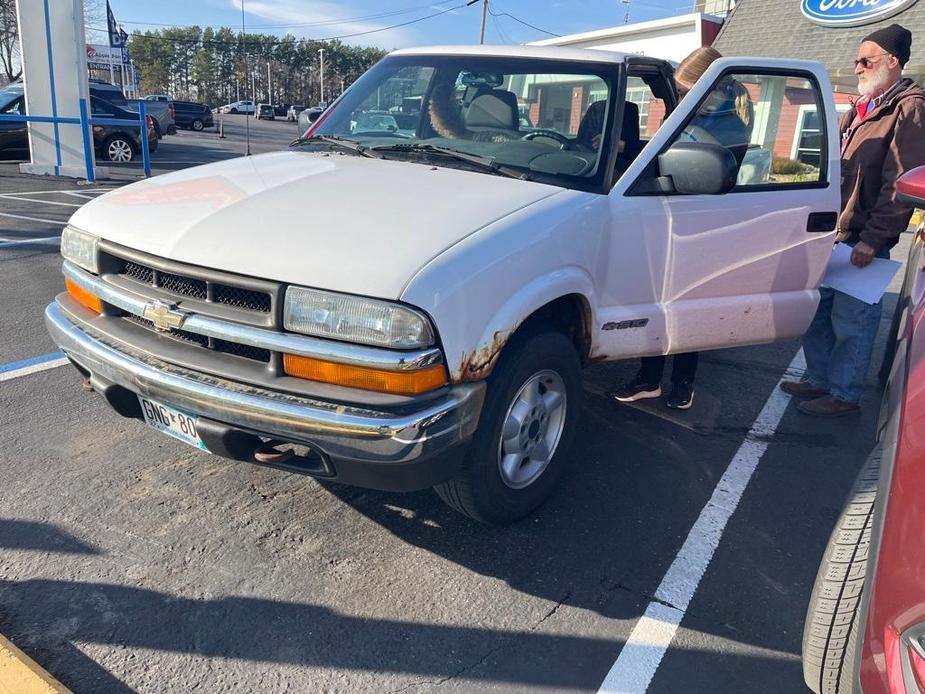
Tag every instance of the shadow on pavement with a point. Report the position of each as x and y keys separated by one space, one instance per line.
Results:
x=270 y=631
x=41 y=537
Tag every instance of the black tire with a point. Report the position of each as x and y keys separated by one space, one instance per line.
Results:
x=196 y=125
x=831 y=632
x=118 y=149
x=234 y=110
x=480 y=490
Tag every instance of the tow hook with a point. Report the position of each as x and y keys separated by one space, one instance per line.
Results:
x=267 y=453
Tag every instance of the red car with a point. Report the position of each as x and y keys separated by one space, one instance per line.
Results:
x=865 y=628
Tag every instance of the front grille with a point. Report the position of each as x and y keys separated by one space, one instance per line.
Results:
x=137 y=272
x=214 y=344
x=184 y=286
x=241 y=298
x=226 y=297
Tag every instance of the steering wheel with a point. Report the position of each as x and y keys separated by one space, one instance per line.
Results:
x=564 y=142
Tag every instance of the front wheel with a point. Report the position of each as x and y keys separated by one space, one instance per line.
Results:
x=196 y=125
x=234 y=110
x=118 y=149
x=520 y=449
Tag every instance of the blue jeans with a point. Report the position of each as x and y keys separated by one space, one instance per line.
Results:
x=840 y=341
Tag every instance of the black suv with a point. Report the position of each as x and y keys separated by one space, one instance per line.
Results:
x=188 y=114
x=114 y=143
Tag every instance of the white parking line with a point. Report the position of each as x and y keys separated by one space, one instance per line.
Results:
x=8 y=196
x=51 y=240
x=52 y=192
x=30 y=366
x=32 y=219
x=636 y=665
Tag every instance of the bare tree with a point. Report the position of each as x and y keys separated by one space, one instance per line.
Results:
x=10 y=64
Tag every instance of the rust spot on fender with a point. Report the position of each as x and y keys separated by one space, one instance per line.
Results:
x=477 y=365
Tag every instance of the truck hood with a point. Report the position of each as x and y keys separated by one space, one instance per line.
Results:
x=326 y=220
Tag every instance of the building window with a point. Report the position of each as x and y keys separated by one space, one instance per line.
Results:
x=639 y=93
x=808 y=138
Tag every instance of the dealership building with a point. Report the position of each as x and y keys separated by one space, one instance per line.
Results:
x=828 y=31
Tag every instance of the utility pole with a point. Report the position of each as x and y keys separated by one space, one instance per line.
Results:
x=321 y=53
x=269 y=85
x=626 y=15
x=484 y=19
x=247 y=120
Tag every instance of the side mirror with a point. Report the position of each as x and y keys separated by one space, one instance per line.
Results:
x=910 y=188
x=313 y=116
x=698 y=168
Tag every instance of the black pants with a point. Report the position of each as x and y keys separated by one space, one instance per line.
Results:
x=682 y=371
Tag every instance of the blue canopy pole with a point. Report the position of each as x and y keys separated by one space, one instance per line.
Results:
x=145 y=154
x=87 y=133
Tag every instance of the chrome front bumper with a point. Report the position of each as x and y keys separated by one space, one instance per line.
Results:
x=408 y=434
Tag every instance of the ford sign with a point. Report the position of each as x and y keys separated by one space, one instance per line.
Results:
x=847 y=13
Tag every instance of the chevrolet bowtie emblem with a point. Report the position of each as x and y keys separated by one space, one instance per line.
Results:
x=165 y=316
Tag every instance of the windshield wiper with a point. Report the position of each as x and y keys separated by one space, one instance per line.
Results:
x=344 y=142
x=487 y=163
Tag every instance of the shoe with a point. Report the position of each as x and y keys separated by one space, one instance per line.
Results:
x=637 y=389
x=802 y=389
x=829 y=406
x=681 y=396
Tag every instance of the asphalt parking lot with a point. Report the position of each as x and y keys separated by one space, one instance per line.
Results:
x=129 y=562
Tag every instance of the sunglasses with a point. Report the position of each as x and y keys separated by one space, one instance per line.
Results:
x=866 y=63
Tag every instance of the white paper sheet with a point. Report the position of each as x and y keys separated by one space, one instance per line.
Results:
x=867 y=284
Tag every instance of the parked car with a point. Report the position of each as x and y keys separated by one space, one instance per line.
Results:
x=308 y=116
x=280 y=110
x=238 y=107
x=437 y=338
x=292 y=114
x=157 y=97
x=191 y=115
x=865 y=626
x=112 y=142
x=265 y=111
x=161 y=112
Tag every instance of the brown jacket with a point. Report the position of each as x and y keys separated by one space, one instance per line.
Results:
x=876 y=151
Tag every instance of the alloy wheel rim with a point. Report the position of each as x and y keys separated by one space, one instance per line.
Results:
x=120 y=151
x=532 y=429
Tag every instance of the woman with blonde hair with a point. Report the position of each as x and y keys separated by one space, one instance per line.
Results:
x=725 y=117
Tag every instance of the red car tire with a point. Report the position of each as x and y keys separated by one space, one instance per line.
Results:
x=830 y=632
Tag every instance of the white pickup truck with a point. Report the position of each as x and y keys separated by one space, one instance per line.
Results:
x=406 y=297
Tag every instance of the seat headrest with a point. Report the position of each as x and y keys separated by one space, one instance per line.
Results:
x=496 y=109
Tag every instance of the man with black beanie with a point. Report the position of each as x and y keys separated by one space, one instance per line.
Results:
x=881 y=137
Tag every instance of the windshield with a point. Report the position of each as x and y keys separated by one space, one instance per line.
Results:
x=547 y=118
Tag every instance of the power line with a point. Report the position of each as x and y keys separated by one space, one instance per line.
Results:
x=506 y=14
x=277 y=43
x=326 y=22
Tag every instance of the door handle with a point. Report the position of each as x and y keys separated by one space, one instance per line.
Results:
x=820 y=222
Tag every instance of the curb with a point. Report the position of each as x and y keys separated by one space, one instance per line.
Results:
x=19 y=674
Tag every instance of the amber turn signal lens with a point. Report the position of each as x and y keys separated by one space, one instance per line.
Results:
x=81 y=295
x=395 y=382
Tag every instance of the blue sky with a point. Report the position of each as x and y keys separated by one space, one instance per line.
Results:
x=330 y=18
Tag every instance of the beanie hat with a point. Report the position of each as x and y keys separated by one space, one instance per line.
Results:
x=894 y=39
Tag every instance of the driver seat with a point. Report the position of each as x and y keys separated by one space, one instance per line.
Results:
x=494 y=109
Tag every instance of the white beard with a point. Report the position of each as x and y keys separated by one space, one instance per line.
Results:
x=873 y=84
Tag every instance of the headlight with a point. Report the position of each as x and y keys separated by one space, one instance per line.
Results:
x=356 y=319
x=80 y=248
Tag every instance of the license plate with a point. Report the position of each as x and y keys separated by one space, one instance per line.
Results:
x=169 y=420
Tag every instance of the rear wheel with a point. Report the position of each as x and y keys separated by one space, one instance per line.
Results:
x=831 y=633
x=118 y=149
x=196 y=124
x=520 y=449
